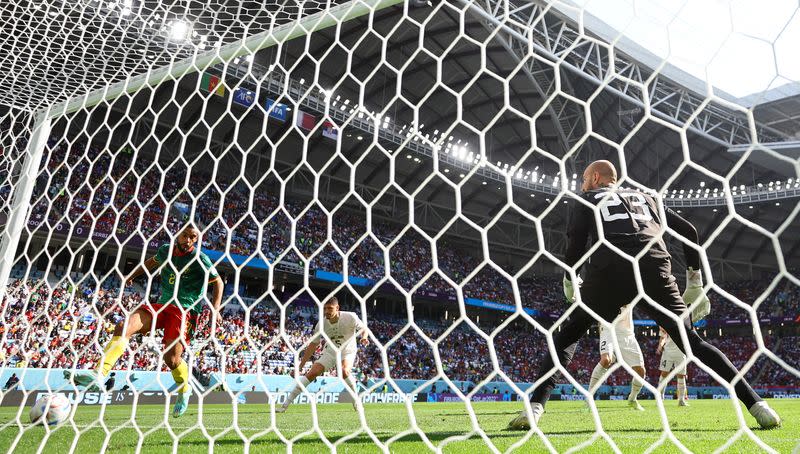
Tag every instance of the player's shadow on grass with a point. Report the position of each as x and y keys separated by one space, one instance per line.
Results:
x=270 y=439
x=611 y=432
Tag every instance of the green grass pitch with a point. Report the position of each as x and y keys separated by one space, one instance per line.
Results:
x=703 y=427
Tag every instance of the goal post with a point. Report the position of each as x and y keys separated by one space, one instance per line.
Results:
x=21 y=195
x=429 y=183
x=43 y=116
x=225 y=54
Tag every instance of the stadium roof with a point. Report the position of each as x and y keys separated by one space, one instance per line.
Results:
x=781 y=112
x=396 y=66
x=736 y=48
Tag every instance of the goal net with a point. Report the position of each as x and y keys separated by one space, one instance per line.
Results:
x=420 y=162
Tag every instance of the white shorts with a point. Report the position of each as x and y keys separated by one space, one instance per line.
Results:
x=631 y=353
x=671 y=359
x=328 y=358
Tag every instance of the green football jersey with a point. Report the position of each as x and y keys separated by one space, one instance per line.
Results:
x=195 y=269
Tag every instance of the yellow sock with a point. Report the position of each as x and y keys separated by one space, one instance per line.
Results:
x=114 y=349
x=181 y=376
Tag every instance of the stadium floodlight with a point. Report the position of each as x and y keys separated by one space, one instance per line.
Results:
x=179 y=30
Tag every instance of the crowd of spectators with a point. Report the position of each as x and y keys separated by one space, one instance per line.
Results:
x=119 y=194
x=92 y=189
x=783 y=300
x=67 y=327
x=96 y=191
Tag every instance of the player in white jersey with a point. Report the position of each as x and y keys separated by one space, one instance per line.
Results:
x=631 y=355
x=341 y=328
x=671 y=358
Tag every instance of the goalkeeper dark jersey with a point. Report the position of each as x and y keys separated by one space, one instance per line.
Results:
x=195 y=269
x=628 y=219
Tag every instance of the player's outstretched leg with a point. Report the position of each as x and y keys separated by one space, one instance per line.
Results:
x=181 y=376
x=565 y=341
x=298 y=388
x=599 y=371
x=89 y=379
x=681 y=393
x=305 y=380
x=662 y=383
x=138 y=322
x=181 y=404
x=180 y=373
x=351 y=383
x=636 y=386
x=666 y=294
x=522 y=422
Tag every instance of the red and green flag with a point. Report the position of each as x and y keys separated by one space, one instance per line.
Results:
x=212 y=84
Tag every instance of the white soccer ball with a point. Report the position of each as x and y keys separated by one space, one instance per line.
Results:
x=50 y=409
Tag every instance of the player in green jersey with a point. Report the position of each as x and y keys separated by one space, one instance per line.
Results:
x=184 y=275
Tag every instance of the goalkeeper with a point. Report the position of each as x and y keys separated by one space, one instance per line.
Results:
x=631 y=222
x=176 y=312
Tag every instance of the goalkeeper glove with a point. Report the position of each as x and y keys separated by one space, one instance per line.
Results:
x=695 y=293
x=569 y=288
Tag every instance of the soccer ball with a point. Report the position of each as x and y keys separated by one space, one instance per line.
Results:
x=50 y=409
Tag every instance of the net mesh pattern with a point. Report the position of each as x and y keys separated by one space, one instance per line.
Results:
x=56 y=50
x=366 y=150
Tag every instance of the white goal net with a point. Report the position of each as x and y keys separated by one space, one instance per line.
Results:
x=420 y=162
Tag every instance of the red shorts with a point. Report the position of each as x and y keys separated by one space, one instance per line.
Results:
x=175 y=322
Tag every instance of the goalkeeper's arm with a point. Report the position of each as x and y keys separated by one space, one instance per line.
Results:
x=581 y=222
x=694 y=292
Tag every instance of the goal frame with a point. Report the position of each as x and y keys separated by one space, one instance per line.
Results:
x=43 y=117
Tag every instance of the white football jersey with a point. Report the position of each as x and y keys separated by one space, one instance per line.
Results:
x=342 y=333
x=671 y=347
x=624 y=325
